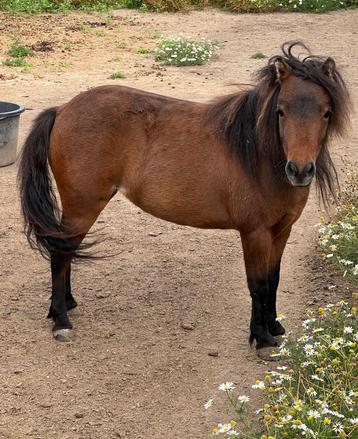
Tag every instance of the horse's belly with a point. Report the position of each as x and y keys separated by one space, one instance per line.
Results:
x=186 y=209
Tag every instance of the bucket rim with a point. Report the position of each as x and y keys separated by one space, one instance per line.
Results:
x=20 y=109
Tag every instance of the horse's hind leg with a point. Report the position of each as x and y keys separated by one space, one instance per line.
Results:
x=58 y=309
x=70 y=300
x=79 y=219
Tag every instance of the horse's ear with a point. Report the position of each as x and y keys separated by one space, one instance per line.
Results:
x=329 y=67
x=283 y=70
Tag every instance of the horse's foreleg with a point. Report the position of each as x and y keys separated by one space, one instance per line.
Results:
x=257 y=250
x=274 y=326
x=278 y=247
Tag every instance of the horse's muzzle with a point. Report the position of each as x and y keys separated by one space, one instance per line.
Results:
x=300 y=176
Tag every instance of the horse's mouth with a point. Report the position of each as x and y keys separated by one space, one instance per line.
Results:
x=300 y=182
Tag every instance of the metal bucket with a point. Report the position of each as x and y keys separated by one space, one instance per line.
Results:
x=9 y=130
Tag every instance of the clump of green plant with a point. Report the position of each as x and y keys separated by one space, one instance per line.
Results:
x=121 y=45
x=143 y=50
x=15 y=62
x=315 y=394
x=250 y=5
x=285 y=5
x=258 y=55
x=317 y=5
x=18 y=53
x=182 y=51
x=85 y=27
x=64 y=64
x=18 y=50
x=157 y=34
x=37 y=6
x=133 y=4
x=117 y=75
x=338 y=237
x=26 y=6
x=164 y=5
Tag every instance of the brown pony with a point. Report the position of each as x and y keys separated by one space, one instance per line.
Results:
x=243 y=162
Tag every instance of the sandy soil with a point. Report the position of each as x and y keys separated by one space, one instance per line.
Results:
x=133 y=371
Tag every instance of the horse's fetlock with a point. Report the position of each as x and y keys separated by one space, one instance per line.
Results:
x=275 y=328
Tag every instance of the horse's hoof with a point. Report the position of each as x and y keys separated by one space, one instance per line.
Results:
x=265 y=353
x=265 y=340
x=64 y=335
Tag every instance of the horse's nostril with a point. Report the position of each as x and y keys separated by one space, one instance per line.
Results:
x=310 y=169
x=291 y=168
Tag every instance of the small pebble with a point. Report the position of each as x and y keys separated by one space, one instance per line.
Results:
x=154 y=233
x=102 y=295
x=46 y=405
x=187 y=326
x=213 y=353
x=79 y=415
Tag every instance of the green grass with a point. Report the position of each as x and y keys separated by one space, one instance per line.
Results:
x=16 y=62
x=121 y=45
x=143 y=50
x=64 y=64
x=18 y=53
x=17 y=50
x=258 y=55
x=37 y=6
x=117 y=75
x=85 y=27
x=157 y=34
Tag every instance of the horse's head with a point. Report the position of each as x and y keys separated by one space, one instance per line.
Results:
x=302 y=103
x=304 y=110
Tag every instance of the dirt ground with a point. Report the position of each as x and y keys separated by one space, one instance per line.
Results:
x=133 y=371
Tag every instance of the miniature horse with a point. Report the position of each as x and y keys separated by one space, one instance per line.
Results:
x=243 y=162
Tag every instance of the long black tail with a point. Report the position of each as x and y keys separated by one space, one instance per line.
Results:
x=40 y=210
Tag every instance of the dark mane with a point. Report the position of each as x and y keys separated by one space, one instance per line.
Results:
x=249 y=123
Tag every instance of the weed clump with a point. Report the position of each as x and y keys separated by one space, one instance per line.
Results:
x=182 y=51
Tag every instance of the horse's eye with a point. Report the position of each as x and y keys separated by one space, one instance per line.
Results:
x=327 y=115
x=280 y=113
